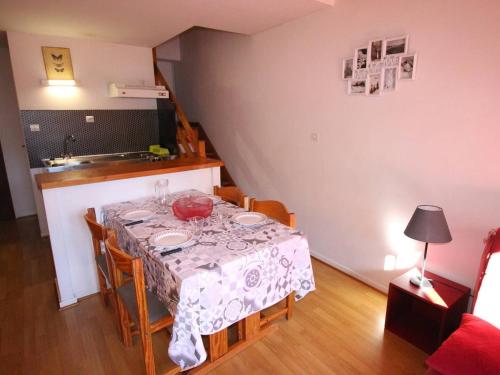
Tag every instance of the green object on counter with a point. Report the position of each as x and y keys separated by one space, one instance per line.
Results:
x=161 y=151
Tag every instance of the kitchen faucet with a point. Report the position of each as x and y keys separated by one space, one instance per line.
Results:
x=67 y=139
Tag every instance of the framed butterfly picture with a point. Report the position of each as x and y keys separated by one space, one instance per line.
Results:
x=57 y=63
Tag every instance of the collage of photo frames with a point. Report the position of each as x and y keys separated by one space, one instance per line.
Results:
x=378 y=67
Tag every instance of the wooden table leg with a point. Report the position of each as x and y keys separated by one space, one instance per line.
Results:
x=218 y=345
x=219 y=352
x=251 y=326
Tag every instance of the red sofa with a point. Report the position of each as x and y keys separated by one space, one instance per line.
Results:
x=474 y=348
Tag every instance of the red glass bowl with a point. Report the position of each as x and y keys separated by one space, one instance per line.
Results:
x=190 y=206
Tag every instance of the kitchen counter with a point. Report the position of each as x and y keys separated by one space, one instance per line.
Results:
x=67 y=195
x=122 y=171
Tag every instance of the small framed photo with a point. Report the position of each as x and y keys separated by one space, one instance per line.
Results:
x=360 y=74
x=374 y=84
x=396 y=46
x=356 y=87
x=390 y=61
x=407 y=67
x=347 y=65
x=361 y=57
x=375 y=50
x=375 y=67
x=390 y=79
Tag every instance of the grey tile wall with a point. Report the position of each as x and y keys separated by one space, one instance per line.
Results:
x=112 y=131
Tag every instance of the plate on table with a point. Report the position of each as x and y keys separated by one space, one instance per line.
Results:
x=171 y=238
x=249 y=218
x=137 y=215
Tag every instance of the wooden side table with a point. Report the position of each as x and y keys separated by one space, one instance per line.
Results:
x=425 y=316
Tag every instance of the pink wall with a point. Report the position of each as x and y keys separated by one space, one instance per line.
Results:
x=434 y=141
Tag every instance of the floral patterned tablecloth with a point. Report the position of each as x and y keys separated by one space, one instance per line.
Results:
x=229 y=272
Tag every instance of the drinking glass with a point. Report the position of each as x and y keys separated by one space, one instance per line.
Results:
x=221 y=217
x=162 y=192
x=196 y=224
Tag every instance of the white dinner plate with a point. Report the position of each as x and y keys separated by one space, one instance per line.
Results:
x=137 y=215
x=249 y=218
x=171 y=238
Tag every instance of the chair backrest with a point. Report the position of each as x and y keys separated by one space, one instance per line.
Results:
x=275 y=210
x=491 y=245
x=121 y=263
x=97 y=230
x=487 y=290
x=231 y=194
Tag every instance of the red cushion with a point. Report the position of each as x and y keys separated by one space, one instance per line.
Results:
x=474 y=348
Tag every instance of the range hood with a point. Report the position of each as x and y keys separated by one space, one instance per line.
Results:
x=119 y=90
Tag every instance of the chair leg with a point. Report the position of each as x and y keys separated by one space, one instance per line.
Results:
x=147 y=347
x=124 y=323
x=290 y=302
x=102 y=288
x=114 y=299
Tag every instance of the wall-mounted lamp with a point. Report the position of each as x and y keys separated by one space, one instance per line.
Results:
x=59 y=82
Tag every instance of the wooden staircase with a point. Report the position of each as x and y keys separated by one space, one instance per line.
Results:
x=211 y=152
x=190 y=136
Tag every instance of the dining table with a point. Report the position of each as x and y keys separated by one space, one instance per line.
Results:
x=225 y=273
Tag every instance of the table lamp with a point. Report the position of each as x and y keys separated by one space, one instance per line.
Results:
x=428 y=225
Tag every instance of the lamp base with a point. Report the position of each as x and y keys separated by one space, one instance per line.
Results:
x=421 y=282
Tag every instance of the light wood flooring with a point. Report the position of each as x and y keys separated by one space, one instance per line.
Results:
x=338 y=329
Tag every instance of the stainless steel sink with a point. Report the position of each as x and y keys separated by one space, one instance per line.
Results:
x=71 y=162
x=86 y=161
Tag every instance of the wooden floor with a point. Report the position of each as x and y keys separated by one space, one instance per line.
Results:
x=338 y=329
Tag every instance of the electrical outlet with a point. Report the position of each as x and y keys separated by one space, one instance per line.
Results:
x=89 y=119
x=35 y=127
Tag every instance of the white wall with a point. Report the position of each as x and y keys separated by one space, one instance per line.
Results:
x=95 y=64
x=168 y=54
x=167 y=69
x=11 y=137
x=434 y=141
x=170 y=50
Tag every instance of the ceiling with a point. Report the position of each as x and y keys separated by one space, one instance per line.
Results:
x=148 y=22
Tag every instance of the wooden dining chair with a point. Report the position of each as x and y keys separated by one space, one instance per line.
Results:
x=232 y=194
x=98 y=233
x=277 y=211
x=140 y=311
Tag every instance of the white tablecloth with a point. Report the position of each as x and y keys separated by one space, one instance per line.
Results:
x=230 y=272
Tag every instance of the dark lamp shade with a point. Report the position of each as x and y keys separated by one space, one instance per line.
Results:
x=428 y=224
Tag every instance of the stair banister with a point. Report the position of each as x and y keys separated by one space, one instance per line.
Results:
x=186 y=135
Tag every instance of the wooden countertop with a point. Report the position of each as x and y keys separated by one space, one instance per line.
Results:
x=121 y=171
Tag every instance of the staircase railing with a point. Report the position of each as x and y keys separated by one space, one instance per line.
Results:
x=187 y=137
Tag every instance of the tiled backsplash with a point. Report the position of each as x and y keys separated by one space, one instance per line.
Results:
x=112 y=131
